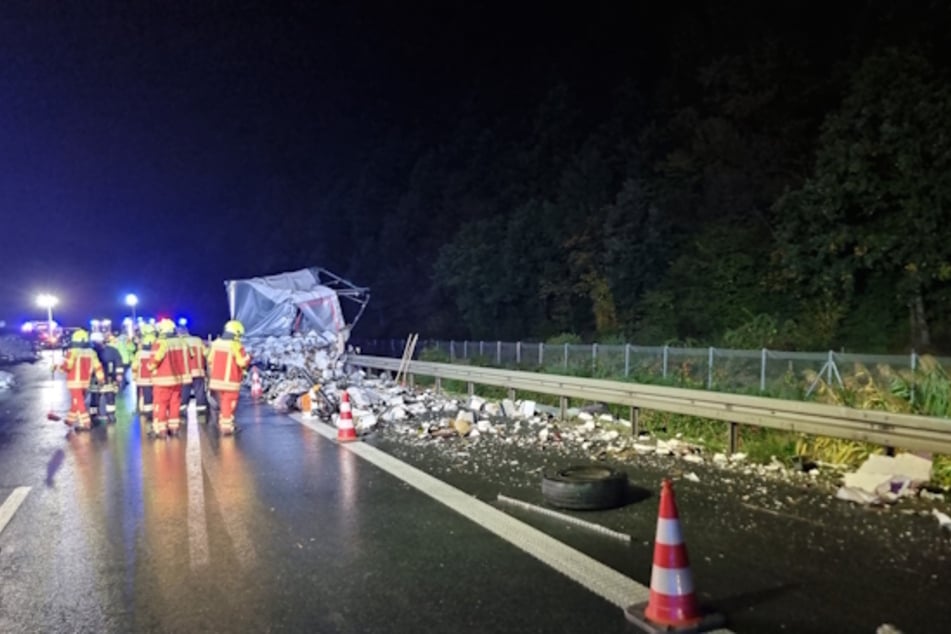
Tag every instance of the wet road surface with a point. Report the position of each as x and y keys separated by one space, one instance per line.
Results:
x=277 y=529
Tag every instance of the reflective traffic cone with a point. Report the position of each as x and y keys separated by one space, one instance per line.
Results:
x=305 y=406
x=257 y=389
x=673 y=605
x=345 y=429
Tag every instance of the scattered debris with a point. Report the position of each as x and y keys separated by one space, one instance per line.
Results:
x=944 y=521
x=693 y=477
x=885 y=479
x=7 y=380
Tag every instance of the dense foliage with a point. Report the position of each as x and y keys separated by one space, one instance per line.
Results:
x=778 y=176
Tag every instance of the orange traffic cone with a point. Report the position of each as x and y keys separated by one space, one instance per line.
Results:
x=673 y=605
x=345 y=429
x=257 y=389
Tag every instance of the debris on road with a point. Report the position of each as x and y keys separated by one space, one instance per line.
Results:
x=885 y=479
x=14 y=349
x=944 y=521
x=7 y=380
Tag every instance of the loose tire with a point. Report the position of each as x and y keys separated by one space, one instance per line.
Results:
x=585 y=488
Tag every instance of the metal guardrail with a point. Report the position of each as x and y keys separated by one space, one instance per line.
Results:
x=907 y=431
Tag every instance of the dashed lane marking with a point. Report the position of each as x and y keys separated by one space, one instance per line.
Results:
x=602 y=580
x=12 y=503
x=197 y=526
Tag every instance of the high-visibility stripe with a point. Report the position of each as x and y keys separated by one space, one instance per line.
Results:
x=671 y=581
x=668 y=532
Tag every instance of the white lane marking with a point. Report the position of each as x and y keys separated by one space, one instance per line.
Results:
x=562 y=517
x=229 y=506
x=12 y=503
x=197 y=527
x=602 y=580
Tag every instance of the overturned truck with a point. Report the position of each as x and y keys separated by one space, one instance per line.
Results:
x=311 y=300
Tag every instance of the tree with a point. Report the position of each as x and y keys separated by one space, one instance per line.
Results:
x=878 y=204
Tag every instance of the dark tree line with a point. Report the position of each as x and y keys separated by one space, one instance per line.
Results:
x=783 y=182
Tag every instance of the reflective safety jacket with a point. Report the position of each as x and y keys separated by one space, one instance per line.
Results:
x=79 y=365
x=198 y=351
x=166 y=363
x=141 y=366
x=227 y=361
x=181 y=358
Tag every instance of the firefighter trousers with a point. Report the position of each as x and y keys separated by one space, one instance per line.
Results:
x=166 y=408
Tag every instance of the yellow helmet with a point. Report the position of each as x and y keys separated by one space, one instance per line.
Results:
x=235 y=328
x=80 y=336
x=166 y=327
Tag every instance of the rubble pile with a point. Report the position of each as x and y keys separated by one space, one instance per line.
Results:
x=14 y=349
x=294 y=365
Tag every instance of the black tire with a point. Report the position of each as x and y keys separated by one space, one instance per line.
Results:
x=585 y=488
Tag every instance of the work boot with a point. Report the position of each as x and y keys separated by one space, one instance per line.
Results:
x=226 y=429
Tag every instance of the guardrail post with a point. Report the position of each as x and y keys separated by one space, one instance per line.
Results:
x=710 y=369
x=541 y=354
x=511 y=393
x=635 y=421
x=594 y=358
x=470 y=388
x=627 y=360
x=762 y=371
x=563 y=407
x=438 y=384
x=734 y=439
x=498 y=352
x=412 y=380
x=665 y=360
x=566 y=356
x=518 y=352
x=452 y=351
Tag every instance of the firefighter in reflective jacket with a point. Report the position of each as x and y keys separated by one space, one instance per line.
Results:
x=197 y=362
x=142 y=373
x=80 y=365
x=168 y=368
x=227 y=363
x=112 y=366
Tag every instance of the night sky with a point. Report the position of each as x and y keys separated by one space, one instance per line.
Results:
x=146 y=149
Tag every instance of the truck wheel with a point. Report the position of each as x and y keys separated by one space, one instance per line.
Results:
x=585 y=488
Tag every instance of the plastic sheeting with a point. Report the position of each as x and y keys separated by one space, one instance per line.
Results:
x=278 y=305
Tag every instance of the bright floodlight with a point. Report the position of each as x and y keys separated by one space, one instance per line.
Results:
x=131 y=300
x=46 y=301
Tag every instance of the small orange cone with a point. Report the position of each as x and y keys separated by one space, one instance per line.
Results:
x=345 y=429
x=673 y=605
x=257 y=390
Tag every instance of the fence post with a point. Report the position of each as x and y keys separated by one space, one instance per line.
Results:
x=481 y=350
x=665 y=361
x=452 y=351
x=566 y=356
x=594 y=358
x=762 y=371
x=627 y=360
x=465 y=349
x=710 y=369
x=541 y=354
x=498 y=352
x=914 y=379
x=518 y=352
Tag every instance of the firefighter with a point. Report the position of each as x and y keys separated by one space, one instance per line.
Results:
x=80 y=365
x=168 y=367
x=197 y=365
x=142 y=373
x=111 y=361
x=227 y=363
x=185 y=371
